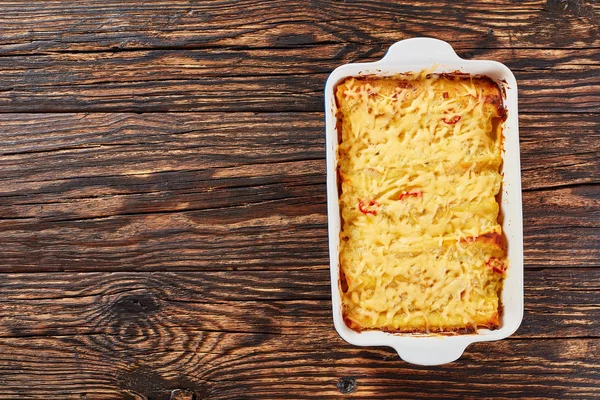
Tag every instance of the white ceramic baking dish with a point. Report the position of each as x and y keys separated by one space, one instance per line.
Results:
x=413 y=55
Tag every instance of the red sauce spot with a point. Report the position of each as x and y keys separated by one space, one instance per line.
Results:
x=496 y=265
x=452 y=120
x=445 y=94
x=410 y=194
x=368 y=207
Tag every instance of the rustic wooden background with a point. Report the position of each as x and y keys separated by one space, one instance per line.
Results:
x=162 y=198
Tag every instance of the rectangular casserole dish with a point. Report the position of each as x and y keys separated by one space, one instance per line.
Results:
x=415 y=55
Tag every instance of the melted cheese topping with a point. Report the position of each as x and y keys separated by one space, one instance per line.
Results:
x=421 y=247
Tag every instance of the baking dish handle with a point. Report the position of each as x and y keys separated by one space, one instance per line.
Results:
x=421 y=49
x=428 y=353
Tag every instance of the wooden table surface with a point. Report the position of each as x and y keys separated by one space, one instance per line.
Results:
x=163 y=228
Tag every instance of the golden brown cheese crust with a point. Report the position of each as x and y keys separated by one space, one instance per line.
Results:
x=421 y=248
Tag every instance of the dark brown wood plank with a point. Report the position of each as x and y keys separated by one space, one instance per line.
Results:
x=254 y=186
x=287 y=233
x=30 y=27
x=569 y=219
x=559 y=150
x=271 y=234
x=211 y=191
x=255 y=80
x=38 y=148
x=562 y=228
x=219 y=214
x=39 y=151
x=228 y=365
x=226 y=334
x=547 y=210
x=547 y=290
x=223 y=334
x=558 y=303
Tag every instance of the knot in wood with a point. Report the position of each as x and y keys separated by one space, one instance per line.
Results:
x=181 y=394
x=347 y=385
x=136 y=304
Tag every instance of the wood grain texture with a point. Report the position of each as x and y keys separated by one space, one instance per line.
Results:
x=219 y=365
x=163 y=230
x=256 y=334
x=256 y=80
x=559 y=150
x=559 y=302
x=162 y=192
x=189 y=191
x=39 y=149
x=76 y=25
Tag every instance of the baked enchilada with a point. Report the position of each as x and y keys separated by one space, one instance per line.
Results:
x=421 y=247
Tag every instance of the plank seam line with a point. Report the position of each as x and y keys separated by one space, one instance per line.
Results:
x=541 y=269
x=315 y=268
x=254 y=111
x=196 y=330
x=191 y=47
x=564 y=164
x=178 y=192
x=170 y=269
x=218 y=167
x=210 y=78
x=310 y=200
x=559 y=187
